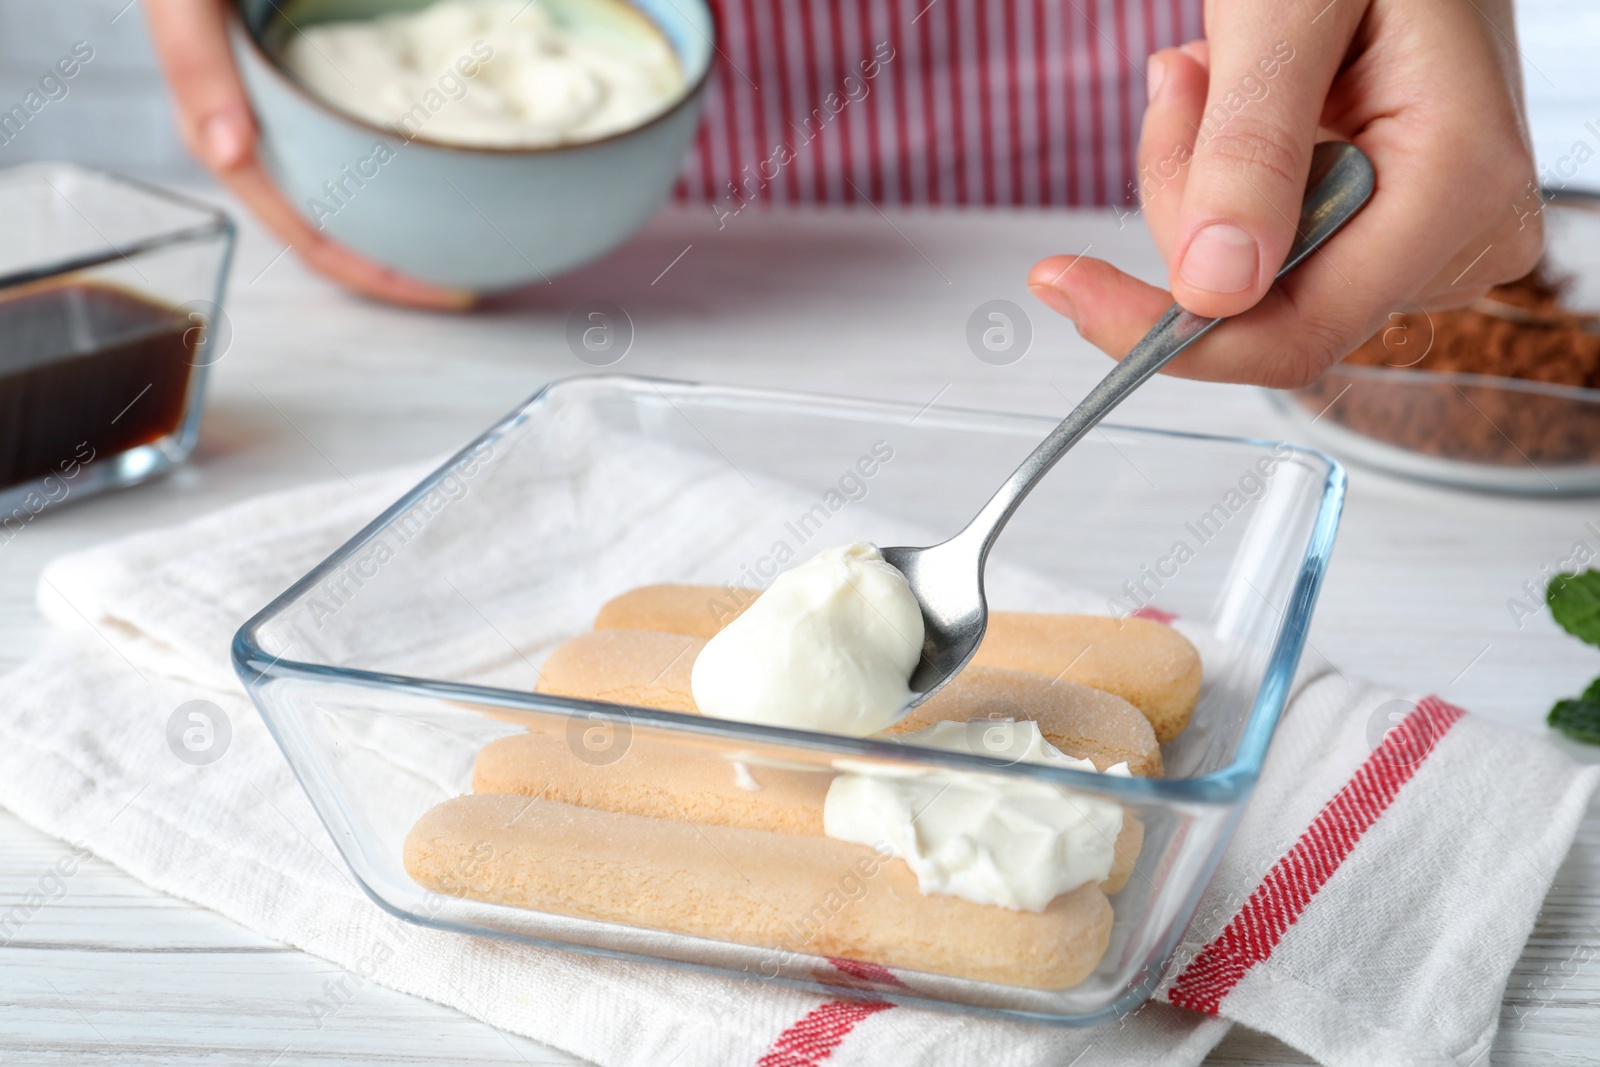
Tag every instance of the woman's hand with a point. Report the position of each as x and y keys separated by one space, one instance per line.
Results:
x=1429 y=89
x=191 y=38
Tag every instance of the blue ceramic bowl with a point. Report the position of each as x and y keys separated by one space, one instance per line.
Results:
x=474 y=218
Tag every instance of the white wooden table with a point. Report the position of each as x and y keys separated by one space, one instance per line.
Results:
x=853 y=302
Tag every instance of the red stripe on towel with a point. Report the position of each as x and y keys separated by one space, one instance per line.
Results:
x=868 y=972
x=1283 y=894
x=813 y=1039
x=1153 y=614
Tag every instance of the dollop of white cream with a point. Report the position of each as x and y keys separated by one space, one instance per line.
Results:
x=992 y=840
x=494 y=73
x=830 y=647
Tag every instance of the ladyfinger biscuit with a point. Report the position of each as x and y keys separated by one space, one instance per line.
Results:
x=1124 y=854
x=1083 y=722
x=692 y=610
x=655 y=778
x=647 y=669
x=658 y=779
x=797 y=893
x=1148 y=664
x=652 y=670
x=666 y=781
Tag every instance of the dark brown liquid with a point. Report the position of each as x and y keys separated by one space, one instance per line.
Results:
x=87 y=370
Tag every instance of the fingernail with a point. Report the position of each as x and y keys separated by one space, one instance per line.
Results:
x=1221 y=258
x=223 y=140
x=1056 y=301
x=1155 y=72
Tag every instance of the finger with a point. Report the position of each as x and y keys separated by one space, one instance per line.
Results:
x=1472 y=273
x=1177 y=81
x=1501 y=254
x=191 y=39
x=1328 y=305
x=1317 y=314
x=1176 y=88
x=1111 y=310
x=1270 y=70
x=252 y=185
x=214 y=115
x=334 y=260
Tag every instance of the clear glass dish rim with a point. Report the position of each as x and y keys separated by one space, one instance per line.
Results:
x=216 y=223
x=1227 y=785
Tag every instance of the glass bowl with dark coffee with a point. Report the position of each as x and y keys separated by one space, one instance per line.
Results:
x=110 y=314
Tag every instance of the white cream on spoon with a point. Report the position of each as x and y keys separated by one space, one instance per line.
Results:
x=830 y=646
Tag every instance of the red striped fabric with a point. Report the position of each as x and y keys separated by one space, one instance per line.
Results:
x=867 y=972
x=1277 y=903
x=927 y=101
x=813 y=1039
x=1154 y=614
x=1252 y=934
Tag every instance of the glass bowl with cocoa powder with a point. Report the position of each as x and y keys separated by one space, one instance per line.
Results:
x=1503 y=395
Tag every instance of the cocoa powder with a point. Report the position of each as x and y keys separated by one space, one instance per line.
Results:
x=1521 y=331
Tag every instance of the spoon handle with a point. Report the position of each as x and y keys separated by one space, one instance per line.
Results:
x=1341 y=181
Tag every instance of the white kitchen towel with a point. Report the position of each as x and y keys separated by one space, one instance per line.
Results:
x=1369 y=911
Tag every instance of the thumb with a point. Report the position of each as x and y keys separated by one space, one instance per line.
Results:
x=1270 y=71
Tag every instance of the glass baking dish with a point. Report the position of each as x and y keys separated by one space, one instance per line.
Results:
x=110 y=315
x=385 y=670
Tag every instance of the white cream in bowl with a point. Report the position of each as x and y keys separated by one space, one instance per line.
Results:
x=494 y=73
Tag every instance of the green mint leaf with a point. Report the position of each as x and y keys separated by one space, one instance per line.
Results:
x=1574 y=601
x=1578 y=719
x=1591 y=695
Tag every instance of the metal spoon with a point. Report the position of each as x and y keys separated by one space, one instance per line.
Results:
x=947 y=578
